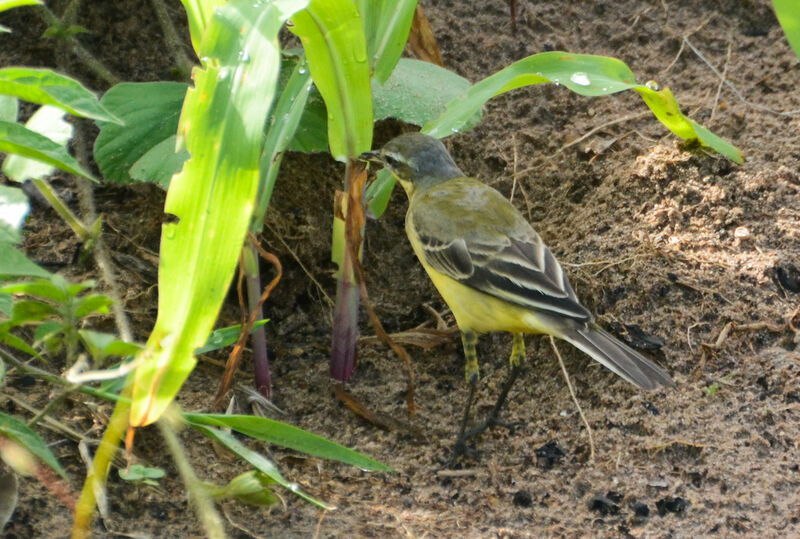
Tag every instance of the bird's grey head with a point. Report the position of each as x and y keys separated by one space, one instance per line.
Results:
x=418 y=160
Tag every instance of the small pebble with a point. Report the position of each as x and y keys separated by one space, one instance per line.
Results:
x=741 y=233
x=641 y=510
x=523 y=498
x=603 y=505
x=671 y=505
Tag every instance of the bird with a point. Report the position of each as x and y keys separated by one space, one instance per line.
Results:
x=494 y=271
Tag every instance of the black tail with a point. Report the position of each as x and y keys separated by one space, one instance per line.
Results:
x=617 y=357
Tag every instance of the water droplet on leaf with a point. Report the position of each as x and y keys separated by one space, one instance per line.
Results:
x=581 y=78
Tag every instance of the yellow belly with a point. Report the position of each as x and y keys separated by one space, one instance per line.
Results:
x=480 y=312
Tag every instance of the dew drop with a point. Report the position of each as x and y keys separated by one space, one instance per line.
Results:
x=653 y=85
x=581 y=78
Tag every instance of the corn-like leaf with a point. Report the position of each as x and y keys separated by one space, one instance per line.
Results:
x=212 y=198
x=788 y=12
x=289 y=436
x=50 y=88
x=257 y=460
x=584 y=74
x=199 y=14
x=333 y=38
x=386 y=26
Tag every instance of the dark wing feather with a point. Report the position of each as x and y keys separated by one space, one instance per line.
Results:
x=486 y=244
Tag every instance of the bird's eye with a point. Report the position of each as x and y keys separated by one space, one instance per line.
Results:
x=391 y=161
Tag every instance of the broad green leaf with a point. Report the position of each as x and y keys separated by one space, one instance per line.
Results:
x=14 y=207
x=584 y=74
x=151 y=111
x=13 y=428
x=18 y=139
x=9 y=4
x=50 y=88
x=257 y=460
x=289 y=436
x=199 y=13
x=220 y=338
x=418 y=92
x=6 y=304
x=49 y=122
x=212 y=198
x=333 y=38
x=788 y=13
x=15 y=264
x=386 y=26
x=160 y=163
x=9 y=108
x=26 y=311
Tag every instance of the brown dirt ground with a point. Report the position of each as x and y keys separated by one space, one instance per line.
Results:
x=646 y=230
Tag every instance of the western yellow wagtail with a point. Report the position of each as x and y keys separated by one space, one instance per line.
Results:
x=493 y=269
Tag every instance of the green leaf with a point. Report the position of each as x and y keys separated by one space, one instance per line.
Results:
x=14 y=206
x=199 y=13
x=15 y=264
x=160 y=163
x=333 y=38
x=42 y=288
x=418 y=92
x=222 y=127
x=17 y=139
x=49 y=122
x=250 y=487
x=13 y=428
x=12 y=340
x=284 y=119
x=289 y=436
x=101 y=345
x=9 y=108
x=27 y=311
x=788 y=13
x=137 y=472
x=6 y=304
x=9 y=4
x=584 y=74
x=257 y=460
x=386 y=25
x=50 y=88
x=220 y=338
x=312 y=131
x=151 y=111
x=93 y=304
x=47 y=330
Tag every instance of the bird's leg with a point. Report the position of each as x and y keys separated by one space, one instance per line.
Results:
x=515 y=361
x=470 y=340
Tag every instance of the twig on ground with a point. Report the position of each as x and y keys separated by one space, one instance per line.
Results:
x=574 y=398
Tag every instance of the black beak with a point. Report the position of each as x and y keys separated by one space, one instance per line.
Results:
x=371 y=157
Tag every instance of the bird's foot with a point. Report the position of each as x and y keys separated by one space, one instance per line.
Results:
x=460 y=448
x=493 y=420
